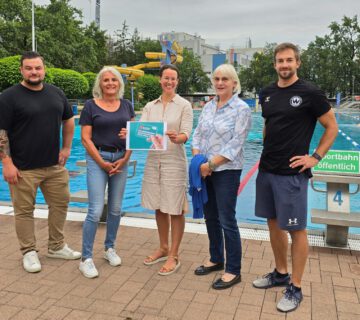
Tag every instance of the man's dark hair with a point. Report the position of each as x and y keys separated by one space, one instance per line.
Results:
x=287 y=45
x=30 y=55
x=171 y=67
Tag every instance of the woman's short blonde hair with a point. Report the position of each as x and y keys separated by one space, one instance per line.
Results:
x=97 y=92
x=229 y=71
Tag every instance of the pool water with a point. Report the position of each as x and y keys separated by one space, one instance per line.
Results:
x=348 y=123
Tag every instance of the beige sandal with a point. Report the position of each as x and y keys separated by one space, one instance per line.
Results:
x=167 y=271
x=150 y=260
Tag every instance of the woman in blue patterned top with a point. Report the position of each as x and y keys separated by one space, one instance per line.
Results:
x=220 y=136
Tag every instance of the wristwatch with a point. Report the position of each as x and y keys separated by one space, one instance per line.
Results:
x=212 y=165
x=316 y=156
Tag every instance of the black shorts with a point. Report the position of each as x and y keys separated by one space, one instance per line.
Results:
x=283 y=198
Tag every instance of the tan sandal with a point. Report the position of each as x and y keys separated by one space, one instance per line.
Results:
x=150 y=260
x=167 y=271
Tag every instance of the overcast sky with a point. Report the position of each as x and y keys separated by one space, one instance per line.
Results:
x=223 y=22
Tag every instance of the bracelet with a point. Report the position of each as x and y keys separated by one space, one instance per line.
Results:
x=212 y=165
x=316 y=156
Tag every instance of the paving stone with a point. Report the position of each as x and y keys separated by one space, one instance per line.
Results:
x=56 y=313
x=102 y=316
x=78 y=315
x=269 y=316
x=347 y=316
x=27 y=314
x=252 y=299
x=346 y=294
x=331 y=282
x=219 y=315
x=22 y=287
x=6 y=312
x=46 y=304
x=349 y=307
x=242 y=314
x=205 y=298
x=197 y=311
x=184 y=295
x=225 y=304
x=343 y=282
x=107 y=307
x=27 y=301
x=104 y=292
x=74 y=302
x=151 y=317
x=156 y=299
x=174 y=309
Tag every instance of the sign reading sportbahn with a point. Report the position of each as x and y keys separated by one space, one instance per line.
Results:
x=340 y=162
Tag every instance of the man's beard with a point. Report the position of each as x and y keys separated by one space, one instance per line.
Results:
x=289 y=74
x=33 y=83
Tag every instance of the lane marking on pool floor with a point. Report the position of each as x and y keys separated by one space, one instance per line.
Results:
x=348 y=138
x=350 y=115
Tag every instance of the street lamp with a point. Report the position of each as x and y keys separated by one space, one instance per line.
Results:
x=33 y=25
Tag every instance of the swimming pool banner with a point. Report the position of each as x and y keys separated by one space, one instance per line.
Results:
x=146 y=136
x=340 y=162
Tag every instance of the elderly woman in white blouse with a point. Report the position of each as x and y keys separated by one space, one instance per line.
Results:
x=220 y=136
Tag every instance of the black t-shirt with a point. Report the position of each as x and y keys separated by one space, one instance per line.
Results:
x=290 y=117
x=107 y=125
x=33 y=120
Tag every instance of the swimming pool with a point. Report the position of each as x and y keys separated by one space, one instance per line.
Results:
x=350 y=133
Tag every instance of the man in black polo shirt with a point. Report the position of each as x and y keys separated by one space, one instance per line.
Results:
x=31 y=115
x=291 y=107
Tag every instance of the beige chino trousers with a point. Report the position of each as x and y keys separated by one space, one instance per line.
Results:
x=54 y=184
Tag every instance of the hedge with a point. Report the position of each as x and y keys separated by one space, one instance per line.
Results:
x=73 y=83
x=90 y=77
x=10 y=72
x=148 y=87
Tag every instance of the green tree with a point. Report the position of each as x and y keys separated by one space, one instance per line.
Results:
x=333 y=61
x=129 y=48
x=15 y=26
x=192 y=76
x=60 y=35
x=260 y=72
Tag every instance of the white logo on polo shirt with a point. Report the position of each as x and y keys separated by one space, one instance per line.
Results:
x=295 y=101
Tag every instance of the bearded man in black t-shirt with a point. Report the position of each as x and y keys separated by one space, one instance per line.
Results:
x=31 y=116
x=291 y=107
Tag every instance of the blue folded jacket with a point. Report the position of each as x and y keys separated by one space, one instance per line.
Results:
x=197 y=186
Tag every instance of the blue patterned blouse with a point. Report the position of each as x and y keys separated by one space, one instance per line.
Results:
x=223 y=131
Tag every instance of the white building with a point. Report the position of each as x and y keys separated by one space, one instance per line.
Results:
x=211 y=56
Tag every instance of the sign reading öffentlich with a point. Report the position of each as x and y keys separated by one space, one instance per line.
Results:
x=340 y=162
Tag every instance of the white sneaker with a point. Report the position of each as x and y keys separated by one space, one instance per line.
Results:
x=111 y=256
x=31 y=262
x=88 y=269
x=64 y=253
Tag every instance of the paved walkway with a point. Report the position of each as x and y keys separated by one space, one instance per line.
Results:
x=331 y=284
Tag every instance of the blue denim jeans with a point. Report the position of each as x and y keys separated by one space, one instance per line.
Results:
x=97 y=179
x=220 y=219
